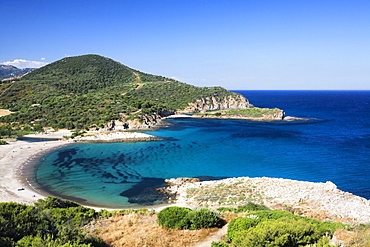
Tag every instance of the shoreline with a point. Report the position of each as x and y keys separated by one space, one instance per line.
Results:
x=312 y=199
x=14 y=157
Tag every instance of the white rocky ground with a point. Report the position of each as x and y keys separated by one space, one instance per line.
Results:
x=317 y=200
x=116 y=136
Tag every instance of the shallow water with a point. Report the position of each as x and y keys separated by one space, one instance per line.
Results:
x=333 y=146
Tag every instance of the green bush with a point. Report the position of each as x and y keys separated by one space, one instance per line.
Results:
x=280 y=232
x=250 y=206
x=51 y=222
x=173 y=217
x=238 y=225
x=185 y=218
x=54 y=202
x=278 y=228
x=219 y=244
x=203 y=218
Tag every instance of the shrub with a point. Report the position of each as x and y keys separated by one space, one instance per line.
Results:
x=219 y=244
x=278 y=228
x=203 y=218
x=281 y=232
x=238 y=225
x=250 y=206
x=185 y=218
x=173 y=217
x=54 y=202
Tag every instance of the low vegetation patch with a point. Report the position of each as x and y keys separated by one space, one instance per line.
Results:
x=50 y=222
x=185 y=218
x=278 y=228
x=254 y=112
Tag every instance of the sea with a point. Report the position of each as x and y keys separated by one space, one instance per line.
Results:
x=333 y=144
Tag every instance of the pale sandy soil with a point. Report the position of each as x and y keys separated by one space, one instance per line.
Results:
x=4 y=112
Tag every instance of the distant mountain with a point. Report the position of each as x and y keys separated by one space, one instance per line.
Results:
x=8 y=71
x=92 y=91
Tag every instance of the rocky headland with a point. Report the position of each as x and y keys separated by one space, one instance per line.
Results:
x=323 y=201
x=236 y=101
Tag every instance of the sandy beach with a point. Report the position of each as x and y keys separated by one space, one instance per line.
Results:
x=13 y=156
x=13 y=187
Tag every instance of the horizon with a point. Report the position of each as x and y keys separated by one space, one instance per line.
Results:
x=263 y=45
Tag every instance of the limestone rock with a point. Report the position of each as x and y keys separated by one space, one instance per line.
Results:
x=236 y=101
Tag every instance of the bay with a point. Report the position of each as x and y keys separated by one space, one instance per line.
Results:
x=333 y=145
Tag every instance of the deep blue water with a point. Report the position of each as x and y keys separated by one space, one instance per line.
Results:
x=334 y=145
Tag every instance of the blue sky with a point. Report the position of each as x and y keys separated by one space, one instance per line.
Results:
x=251 y=44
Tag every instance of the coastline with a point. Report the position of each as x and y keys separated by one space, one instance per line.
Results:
x=318 y=200
x=14 y=184
x=13 y=187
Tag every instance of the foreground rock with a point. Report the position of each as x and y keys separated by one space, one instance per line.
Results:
x=323 y=201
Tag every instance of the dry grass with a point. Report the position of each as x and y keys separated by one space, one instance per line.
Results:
x=361 y=238
x=136 y=230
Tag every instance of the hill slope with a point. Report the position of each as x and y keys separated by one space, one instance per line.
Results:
x=91 y=91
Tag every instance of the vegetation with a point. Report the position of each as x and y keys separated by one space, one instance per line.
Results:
x=185 y=218
x=50 y=222
x=361 y=236
x=249 y=207
x=90 y=91
x=254 y=112
x=278 y=228
x=56 y=222
x=176 y=95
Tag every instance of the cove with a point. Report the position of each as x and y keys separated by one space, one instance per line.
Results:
x=332 y=146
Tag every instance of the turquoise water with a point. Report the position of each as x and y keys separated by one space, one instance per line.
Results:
x=332 y=146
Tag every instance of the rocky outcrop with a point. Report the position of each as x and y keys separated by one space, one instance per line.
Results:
x=212 y=103
x=126 y=123
x=322 y=201
x=234 y=101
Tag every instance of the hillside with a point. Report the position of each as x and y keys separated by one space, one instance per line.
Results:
x=92 y=91
x=8 y=71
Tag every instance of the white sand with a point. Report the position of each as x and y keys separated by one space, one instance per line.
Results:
x=14 y=155
x=12 y=158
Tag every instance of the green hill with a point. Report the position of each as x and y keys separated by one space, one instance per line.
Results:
x=88 y=91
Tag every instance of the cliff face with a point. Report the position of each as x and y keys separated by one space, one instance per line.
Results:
x=124 y=123
x=234 y=101
x=212 y=103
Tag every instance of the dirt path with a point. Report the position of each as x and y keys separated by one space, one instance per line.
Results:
x=215 y=237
